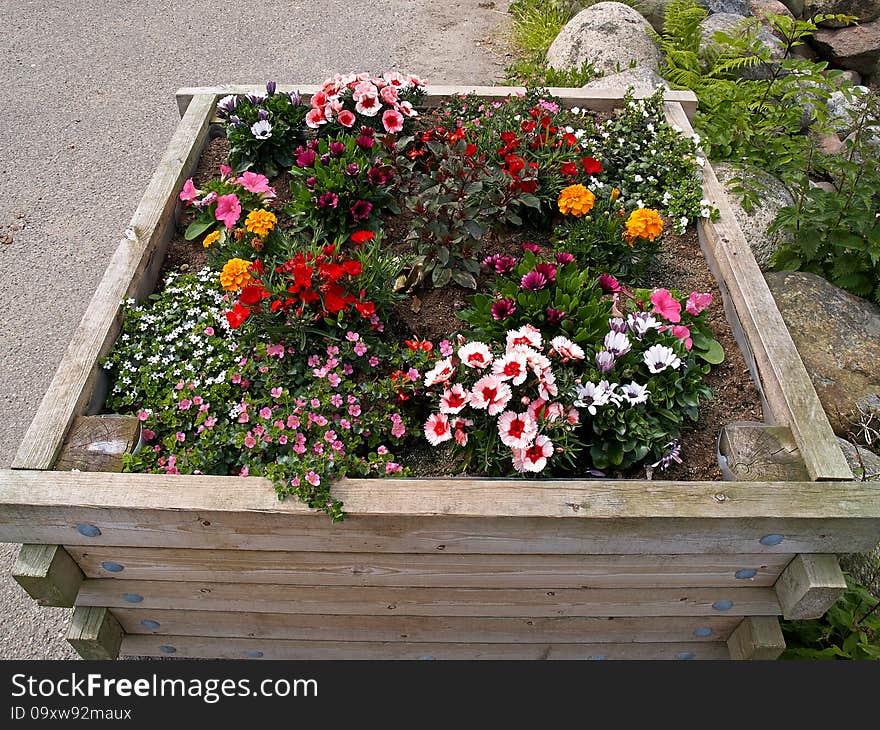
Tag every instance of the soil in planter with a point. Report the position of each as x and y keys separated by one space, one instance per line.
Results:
x=429 y=313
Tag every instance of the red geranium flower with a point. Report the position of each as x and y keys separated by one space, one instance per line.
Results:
x=360 y=237
x=591 y=165
x=238 y=315
x=253 y=294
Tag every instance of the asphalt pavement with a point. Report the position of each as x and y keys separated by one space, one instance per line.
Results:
x=88 y=108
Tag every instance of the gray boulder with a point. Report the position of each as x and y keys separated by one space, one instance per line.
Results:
x=730 y=23
x=763 y=8
x=638 y=77
x=611 y=36
x=838 y=337
x=773 y=196
x=738 y=7
x=839 y=109
x=865 y=464
x=655 y=10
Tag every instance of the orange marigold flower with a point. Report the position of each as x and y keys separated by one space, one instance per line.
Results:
x=615 y=194
x=211 y=239
x=575 y=200
x=235 y=275
x=260 y=222
x=644 y=223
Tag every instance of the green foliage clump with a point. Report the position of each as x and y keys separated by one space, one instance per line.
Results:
x=849 y=630
x=836 y=233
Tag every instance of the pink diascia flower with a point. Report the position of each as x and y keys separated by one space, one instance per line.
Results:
x=697 y=302
x=517 y=430
x=513 y=366
x=534 y=458
x=189 y=192
x=392 y=120
x=437 y=429
x=454 y=399
x=666 y=305
x=491 y=393
x=228 y=209
x=525 y=335
x=346 y=118
x=566 y=349
x=475 y=355
x=254 y=183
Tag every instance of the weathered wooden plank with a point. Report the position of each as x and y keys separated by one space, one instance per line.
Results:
x=410 y=601
x=761 y=453
x=432 y=534
x=787 y=386
x=809 y=586
x=602 y=100
x=438 y=570
x=48 y=574
x=140 y=251
x=430 y=516
x=98 y=443
x=238 y=648
x=757 y=637
x=432 y=629
x=94 y=633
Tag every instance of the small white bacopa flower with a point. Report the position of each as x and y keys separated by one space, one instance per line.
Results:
x=261 y=129
x=660 y=357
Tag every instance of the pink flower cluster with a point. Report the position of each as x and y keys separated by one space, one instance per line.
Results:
x=371 y=96
x=523 y=363
x=228 y=207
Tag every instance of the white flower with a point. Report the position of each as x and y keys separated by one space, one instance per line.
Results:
x=261 y=129
x=617 y=343
x=634 y=393
x=642 y=322
x=638 y=178
x=591 y=396
x=475 y=355
x=660 y=357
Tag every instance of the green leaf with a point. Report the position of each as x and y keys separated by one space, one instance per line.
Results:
x=713 y=354
x=440 y=277
x=463 y=278
x=197 y=228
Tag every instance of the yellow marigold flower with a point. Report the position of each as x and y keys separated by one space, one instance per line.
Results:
x=575 y=200
x=260 y=222
x=643 y=223
x=235 y=275
x=211 y=239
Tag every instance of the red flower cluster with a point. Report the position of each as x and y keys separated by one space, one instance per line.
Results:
x=316 y=286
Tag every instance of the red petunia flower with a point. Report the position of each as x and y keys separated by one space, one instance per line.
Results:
x=591 y=165
x=238 y=315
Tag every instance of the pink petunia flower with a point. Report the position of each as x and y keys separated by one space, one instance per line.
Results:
x=666 y=305
x=697 y=302
x=190 y=192
x=390 y=96
x=392 y=120
x=684 y=334
x=228 y=209
x=254 y=183
x=315 y=118
x=346 y=118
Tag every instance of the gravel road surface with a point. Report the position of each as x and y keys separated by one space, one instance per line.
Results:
x=89 y=108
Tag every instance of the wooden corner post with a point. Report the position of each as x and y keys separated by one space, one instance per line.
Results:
x=757 y=637
x=48 y=574
x=95 y=633
x=809 y=586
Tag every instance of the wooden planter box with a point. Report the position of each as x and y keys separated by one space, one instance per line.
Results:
x=197 y=566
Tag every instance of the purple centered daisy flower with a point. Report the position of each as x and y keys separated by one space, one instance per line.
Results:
x=533 y=281
x=360 y=211
x=503 y=308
